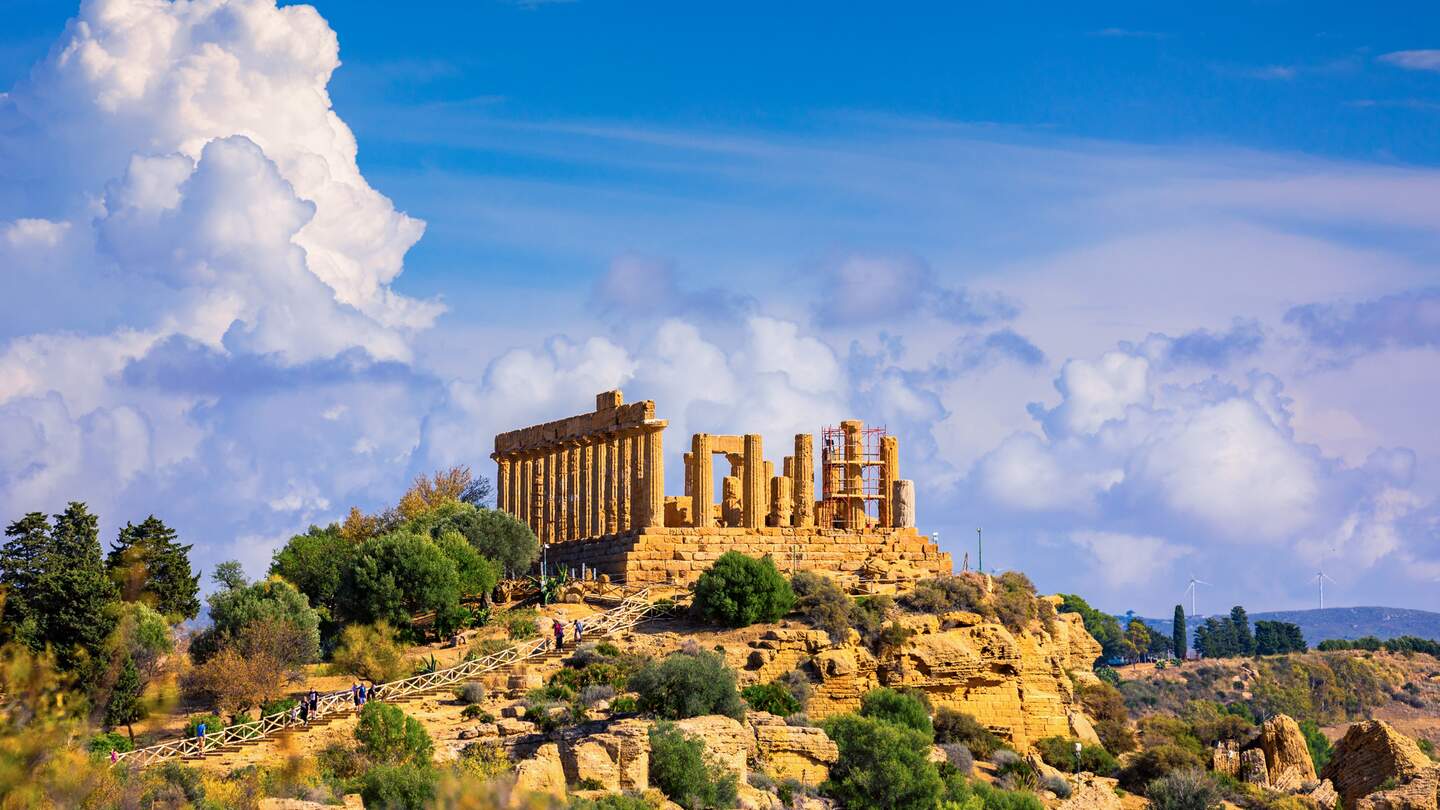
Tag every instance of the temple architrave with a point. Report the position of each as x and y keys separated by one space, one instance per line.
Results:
x=592 y=487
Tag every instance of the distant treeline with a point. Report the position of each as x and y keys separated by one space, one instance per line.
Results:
x=1373 y=644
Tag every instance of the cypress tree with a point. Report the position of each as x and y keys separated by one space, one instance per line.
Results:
x=1244 y=642
x=125 y=706
x=1177 y=633
x=21 y=562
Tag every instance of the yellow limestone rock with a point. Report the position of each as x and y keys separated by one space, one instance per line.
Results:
x=792 y=752
x=1417 y=794
x=542 y=773
x=730 y=743
x=1370 y=753
x=1091 y=792
x=1287 y=757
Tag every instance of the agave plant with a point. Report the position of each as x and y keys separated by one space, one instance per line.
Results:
x=427 y=665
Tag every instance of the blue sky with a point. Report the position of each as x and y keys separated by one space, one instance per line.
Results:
x=1144 y=291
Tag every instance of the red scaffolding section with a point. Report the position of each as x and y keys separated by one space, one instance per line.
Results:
x=851 y=476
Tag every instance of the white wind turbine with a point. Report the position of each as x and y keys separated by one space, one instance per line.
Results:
x=1320 y=577
x=1191 y=590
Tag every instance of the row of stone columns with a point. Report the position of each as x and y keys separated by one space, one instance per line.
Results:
x=586 y=487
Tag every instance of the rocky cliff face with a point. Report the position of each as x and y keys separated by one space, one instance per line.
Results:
x=1015 y=683
x=1287 y=758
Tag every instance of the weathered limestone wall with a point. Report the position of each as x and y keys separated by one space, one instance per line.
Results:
x=680 y=555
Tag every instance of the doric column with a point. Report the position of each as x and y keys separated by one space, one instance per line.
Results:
x=781 y=501
x=689 y=461
x=732 y=502
x=654 y=494
x=516 y=498
x=525 y=483
x=854 y=505
x=562 y=493
x=702 y=485
x=627 y=481
x=638 y=499
x=540 y=502
x=502 y=483
x=587 y=503
x=597 y=487
x=804 y=488
x=753 y=499
x=903 y=492
x=612 y=486
x=576 y=529
x=889 y=474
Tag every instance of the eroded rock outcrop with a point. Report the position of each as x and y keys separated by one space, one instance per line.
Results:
x=1091 y=792
x=1417 y=794
x=1287 y=757
x=1017 y=684
x=1370 y=753
x=792 y=752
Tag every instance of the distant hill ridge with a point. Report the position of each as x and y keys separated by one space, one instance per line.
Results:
x=1341 y=622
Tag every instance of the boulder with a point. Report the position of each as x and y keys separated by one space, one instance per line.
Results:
x=1091 y=792
x=1323 y=795
x=792 y=752
x=1253 y=768
x=730 y=743
x=1417 y=794
x=513 y=726
x=589 y=760
x=542 y=773
x=1225 y=760
x=1370 y=753
x=1287 y=757
x=750 y=798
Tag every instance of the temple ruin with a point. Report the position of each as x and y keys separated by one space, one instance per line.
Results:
x=592 y=488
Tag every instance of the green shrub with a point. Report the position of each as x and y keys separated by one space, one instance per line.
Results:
x=822 y=604
x=281 y=706
x=522 y=624
x=1154 y=763
x=389 y=736
x=687 y=685
x=1015 y=604
x=679 y=769
x=890 y=706
x=942 y=594
x=213 y=725
x=111 y=741
x=965 y=794
x=953 y=726
x=1185 y=789
x=485 y=760
x=475 y=712
x=1108 y=675
x=399 y=787
x=881 y=765
x=625 y=704
x=341 y=761
x=471 y=693
x=771 y=697
x=739 y=591
x=371 y=652
x=611 y=801
x=1059 y=753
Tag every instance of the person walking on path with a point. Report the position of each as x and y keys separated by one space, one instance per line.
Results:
x=355 y=695
x=579 y=631
x=295 y=714
x=304 y=709
x=559 y=635
x=370 y=693
x=200 y=734
x=314 y=701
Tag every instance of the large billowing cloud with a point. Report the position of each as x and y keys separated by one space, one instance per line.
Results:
x=1178 y=367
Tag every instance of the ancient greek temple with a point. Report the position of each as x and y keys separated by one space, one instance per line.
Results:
x=592 y=487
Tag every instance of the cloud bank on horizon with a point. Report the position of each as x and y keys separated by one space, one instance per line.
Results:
x=1179 y=361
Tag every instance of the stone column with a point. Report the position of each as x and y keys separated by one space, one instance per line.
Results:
x=502 y=483
x=753 y=487
x=517 y=485
x=904 y=496
x=804 y=488
x=574 y=530
x=597 y=489
x=586 y=493
x=689 y=459
x=732 y=503
x=638 y=499
x=854 y=481
x=564 y=510
x=781 y=501
x=626 y=481
x=542 y=500
x=527 y=490
x=612 y=486
x=654 y=495
x=702 y=485
x=889 y=473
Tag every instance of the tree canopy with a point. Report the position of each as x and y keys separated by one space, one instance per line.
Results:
x=233 y=608
x=150 y=566
x=396 y=576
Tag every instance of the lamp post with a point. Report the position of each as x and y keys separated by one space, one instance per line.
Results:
x=1077 y=756
x=980 y=540
x=544 y=547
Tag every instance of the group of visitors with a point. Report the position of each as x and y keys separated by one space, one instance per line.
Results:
x=559 y=629
x=308 y=706
x=360 y=693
